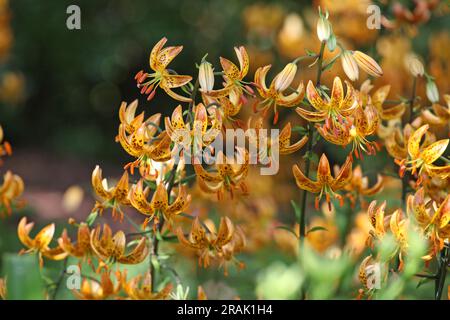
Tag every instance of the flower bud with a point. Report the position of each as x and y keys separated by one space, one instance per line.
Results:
x=349 y=65
x=432 y=91
x=323 y=28
x=414 y=65
x=368 y=64
x=284 y=79
x=206 y=76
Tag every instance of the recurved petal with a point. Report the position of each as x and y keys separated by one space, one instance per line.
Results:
x=337 y=93
x=442 y=172
x=304 y=182
x=174 y=81
x=394 y=112
x=312 y=116
x=344 y=176
x=153 y=59
x=225 y=232
x=98 y=185
x=260 y=80
x=166 y=55
x=434 y=151
x=175 y=95
x=160 y=198
x=139 y=201
x=23 y=231
x=314 y=97
x=376 y=187
x=414 y=141
x=138 y=254
x=230 y=69
x=244 y=61
x=380 y=95
x=43 y=238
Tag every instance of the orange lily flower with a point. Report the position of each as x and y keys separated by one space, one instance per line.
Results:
x=180 y=132
x=336 y=108
x=159 y=202
x=284 y=138
x=364 y=123
x=142 y=143
x=110 y=196
x=94 y=290
x=5 y=147
x=274 y=94
x=111 y=248
x=162 y=77
x=234 y=75
x=396 y=143
x=11 y=189
x=434 y=220
x=40 y=243
x=377 y=99
x=325 y=183
x=211 y=245
x=80 y=249
x=359 y=185
x=440 y=115
x=229 y=176
x=140 y=288
x=421 y=159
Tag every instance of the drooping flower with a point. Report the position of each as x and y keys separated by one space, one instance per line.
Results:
x=98 y=290
x=140 y=288
x=378 y=98
x=220 y=246
x=11 y=189
x=433 y=218
x=229 y=175
x=359 y=185
x=325 y=183
x=335 y=109
x=421 y=159
x=138 y=138
x=285 y=147
x=40 y=243
x=204 y=129
x=396 y=142
x=111 y=196
x=111 y=248
x=274 y=95
x=438 y=115
x=159 y=205
x=234 y=75
x=355 y=130
x=162 y=77
x=82 y=247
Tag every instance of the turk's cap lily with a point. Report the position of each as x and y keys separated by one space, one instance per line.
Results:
x=231 y=71
x=40 y=242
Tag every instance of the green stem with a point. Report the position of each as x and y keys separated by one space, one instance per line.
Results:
x=442 y=272
x=170 y=184
x=405 y=180
x=304 y=195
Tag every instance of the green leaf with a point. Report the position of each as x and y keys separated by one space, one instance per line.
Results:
x=316 y=228
x=422 y=281
x=310 y=53
x=24 y=281
x=296 y=209
x=301 y=130
x=91 y=218
x=287 y=229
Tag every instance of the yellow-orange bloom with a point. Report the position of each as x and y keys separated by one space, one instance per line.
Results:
x=325 y=183
x=98 y=290
x=438 y=115
x=211 y=245
x=274 y=95
x=359 y=185
x=81 y=248
x=11 y=189
x=233 y=75
x=140 y=288
x=421 y=159
x=229 y=175
x=336 y=108
x=111 y=248
x=40 y=243
x=111 y=196
x=162 y=77
x=159 y=203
